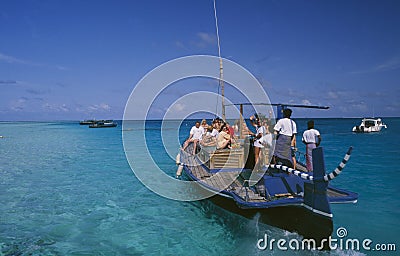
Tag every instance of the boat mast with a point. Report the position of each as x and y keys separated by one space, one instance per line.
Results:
x=221 y=69
x=221 y=83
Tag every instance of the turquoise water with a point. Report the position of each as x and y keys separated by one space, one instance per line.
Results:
x=66 y=189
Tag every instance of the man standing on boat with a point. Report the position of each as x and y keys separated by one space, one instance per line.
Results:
x=195 y=136
x=312 y=139
x=286 y=131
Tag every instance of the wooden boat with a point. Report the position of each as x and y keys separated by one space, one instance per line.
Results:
x=283 y=197
x=294 y=200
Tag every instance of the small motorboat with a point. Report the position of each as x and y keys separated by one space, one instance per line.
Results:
x=103 y=124
x=369 y=125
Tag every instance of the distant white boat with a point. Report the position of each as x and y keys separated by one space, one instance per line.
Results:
x=370 y=125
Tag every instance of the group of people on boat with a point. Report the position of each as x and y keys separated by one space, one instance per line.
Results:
x=221 y=136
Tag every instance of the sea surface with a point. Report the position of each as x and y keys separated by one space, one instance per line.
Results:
x=66 y=189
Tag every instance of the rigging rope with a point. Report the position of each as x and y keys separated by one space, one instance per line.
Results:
x=216 y=27
x=220 y=85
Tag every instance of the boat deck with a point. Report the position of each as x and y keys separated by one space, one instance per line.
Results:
x=232 y=179
x=227 y=179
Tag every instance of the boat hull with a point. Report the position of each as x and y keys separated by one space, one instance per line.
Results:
x=103 y=125
x=362 y=129
x=291 y=218
x=307 y=211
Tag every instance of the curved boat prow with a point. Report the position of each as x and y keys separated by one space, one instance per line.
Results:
x=315 y=193
x=340 y=167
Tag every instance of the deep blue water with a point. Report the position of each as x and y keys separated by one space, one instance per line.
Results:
x=66 y=189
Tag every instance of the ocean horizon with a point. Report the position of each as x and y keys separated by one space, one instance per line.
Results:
x=177 y=119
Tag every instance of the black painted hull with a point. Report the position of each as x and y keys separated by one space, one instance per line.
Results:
x=291 y=218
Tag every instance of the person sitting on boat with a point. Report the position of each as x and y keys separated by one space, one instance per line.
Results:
x=195 y=135
x=260 y=132
x=204 y=124
x=216 y=128
x=208 y=139
x=286 y=131
x=312 y=139
x=231 y=131
x=236 y=128
x=224 y=139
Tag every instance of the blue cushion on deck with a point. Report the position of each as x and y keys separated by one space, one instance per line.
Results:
x=274 y=185
x=295 y=183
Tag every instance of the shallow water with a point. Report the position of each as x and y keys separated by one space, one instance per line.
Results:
x=66 y=189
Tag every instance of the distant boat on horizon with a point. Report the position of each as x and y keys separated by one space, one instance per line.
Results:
x=103 y=124
x=93 y=123
x=369 y=125
x=88 y=121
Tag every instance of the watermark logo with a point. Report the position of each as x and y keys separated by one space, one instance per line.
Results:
x=341 y=232
x=342 y=242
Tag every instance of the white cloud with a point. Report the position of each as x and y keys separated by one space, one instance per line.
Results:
x=360 y=106
x=99 y=107
x=205 y=39
x=179 y=107
x=12 y=60
x=56 y=107
x=179 y=44
x=332 y=95
x=18 y=105
x=62 y=68
x=390 y=64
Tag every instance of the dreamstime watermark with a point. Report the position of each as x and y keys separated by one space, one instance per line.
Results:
x=342 y=242
x=169 y=92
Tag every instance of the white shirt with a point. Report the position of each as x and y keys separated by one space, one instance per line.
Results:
x=257 y=143
x=215 y=133
x=286 y=126
x=310 y=136
x=197 y=132
x=266 y=140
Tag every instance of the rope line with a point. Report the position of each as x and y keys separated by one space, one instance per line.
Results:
x=284 y=168
x=220 y=84
x=216 y=27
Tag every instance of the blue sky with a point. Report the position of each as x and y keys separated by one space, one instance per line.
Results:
x=72 y=60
